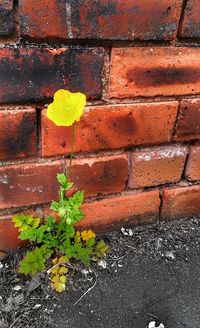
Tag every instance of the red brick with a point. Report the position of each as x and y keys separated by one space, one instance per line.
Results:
x=188 y=125
x=100 y=175
x=111 y=127
x=29 y=74
x=28 y=184
x=121 y=20
x=38 y=18
x=35 y=183
x=113 y=213
x=190 y=27
x=18 y=133
x=193 y=165
x=181 y=202
x=8 y=235
x=157 y=166
x=145 y=71
x=6 y=17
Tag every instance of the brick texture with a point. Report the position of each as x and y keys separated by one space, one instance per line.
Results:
x=38 y=19
x=33 y=74
x=193 y=165
x=181 y=202
x=190 y=27
x=35 y=183
x=18 y=133
x=157 y=166
x=188 y=125
x=28 y=184
x=100 y=175
x=153 y=71
x=111 y=127
x=125 y=210
x=6 y=17
x=115 y=20
x=8 y=235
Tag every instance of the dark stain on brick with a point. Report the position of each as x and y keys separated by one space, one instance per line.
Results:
x=6 y=22
x=163 y=76
x=189 y=123
x=37 y=74
x=124 y=125
x=22 y=141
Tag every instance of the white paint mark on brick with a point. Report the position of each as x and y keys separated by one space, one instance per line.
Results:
x=69 y=19
x=165 y=153
x=4 y=179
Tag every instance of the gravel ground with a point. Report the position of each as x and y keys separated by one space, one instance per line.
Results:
x=32 y=303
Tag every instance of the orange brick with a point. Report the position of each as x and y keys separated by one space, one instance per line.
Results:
x=112 y=127
x=188 y=124
x=181 y=202
x=18 y=133
x=191 y=22
x=116 y=19
x=152 y=167
x=113 y=213
x=154 y=71
x=193 y=165
x=28 y=184
x=100 y=175
x=35 y=183
x=8 y=235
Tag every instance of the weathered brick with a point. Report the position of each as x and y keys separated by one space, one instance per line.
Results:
x=8 y=235
x=116 y=19
x=145 y=71
x=152 y=167
x=35 y=183
x=6 y=17
x=18 y=133
x=193 y=165
x=28 y=184
x=181 y=202
x=38 y=19
x=100 y=175
x=188 y=125
x=125 y=210
x=34 y=74
x=113 y=126
x=190 y=27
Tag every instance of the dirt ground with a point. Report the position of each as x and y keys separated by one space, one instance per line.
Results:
x=151 y=273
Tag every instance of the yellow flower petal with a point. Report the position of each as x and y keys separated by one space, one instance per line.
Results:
x=66 y=108
x=87 y=235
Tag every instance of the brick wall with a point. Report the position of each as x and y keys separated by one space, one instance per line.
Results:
x=137 y=152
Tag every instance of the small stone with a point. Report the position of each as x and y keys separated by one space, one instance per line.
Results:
x=152 y=324
x=1 y=265
x=17 y=288
x=3 y=255
x=102 y=263
x=127 y=232
x=37 y=306
x=170 y=255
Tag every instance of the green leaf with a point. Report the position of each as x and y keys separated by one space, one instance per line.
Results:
x=77 y=199
x=24 y=222
x=101 y=249
x=90 y=242
x=33 y=262
x=62 y=179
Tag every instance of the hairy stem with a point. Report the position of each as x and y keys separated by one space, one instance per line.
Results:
x=72 y=152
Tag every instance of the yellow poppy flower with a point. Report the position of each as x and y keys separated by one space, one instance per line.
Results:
x=66 y=108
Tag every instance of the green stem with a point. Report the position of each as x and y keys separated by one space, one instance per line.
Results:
x=72 y=152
